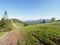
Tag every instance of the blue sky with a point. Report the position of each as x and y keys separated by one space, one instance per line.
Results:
x=30 y=9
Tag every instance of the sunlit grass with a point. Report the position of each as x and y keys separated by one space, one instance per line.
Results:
x=1 y=33
x=45 y=33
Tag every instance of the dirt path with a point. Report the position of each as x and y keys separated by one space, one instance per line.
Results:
x=11 y=38
x=8 y=39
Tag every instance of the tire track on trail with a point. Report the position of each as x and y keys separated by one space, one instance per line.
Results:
x=11 y=38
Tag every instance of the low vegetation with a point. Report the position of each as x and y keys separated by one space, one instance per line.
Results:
x=46 y=34
x=23 y=34
x=6 y=25
x=1 y=33
x=38 y=34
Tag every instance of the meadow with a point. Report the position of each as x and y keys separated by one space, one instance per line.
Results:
x=39 y=34
x=42 y=34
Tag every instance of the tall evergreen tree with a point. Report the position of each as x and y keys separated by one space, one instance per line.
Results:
x=43 y=20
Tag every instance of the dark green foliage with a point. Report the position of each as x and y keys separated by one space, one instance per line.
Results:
x=25 y=24
x=58 y=20
x=6 y=24
x=43 y=20
x=53 y=19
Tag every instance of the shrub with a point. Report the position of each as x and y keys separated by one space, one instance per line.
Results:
x=6 y=25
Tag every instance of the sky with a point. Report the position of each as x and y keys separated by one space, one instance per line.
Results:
x=30 y=9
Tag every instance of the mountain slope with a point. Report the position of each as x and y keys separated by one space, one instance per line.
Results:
x=41 y=34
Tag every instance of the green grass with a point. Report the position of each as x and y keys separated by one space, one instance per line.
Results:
x=40 y=34
x=1 y=33
x=47 y=34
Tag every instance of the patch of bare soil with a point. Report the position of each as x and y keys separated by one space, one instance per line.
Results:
x=11 y=38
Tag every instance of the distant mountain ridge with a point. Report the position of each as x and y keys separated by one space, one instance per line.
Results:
x=37 y=21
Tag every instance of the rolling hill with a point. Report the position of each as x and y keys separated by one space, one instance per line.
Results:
x=40 y=34
x=18 y=23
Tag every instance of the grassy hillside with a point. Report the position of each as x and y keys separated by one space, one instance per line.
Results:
x=40 y=34
x=44 y=34
x=18 y=22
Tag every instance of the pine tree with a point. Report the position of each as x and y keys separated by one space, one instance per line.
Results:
x=43 y=20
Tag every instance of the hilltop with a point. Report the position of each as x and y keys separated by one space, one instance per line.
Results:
x=18 y=22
